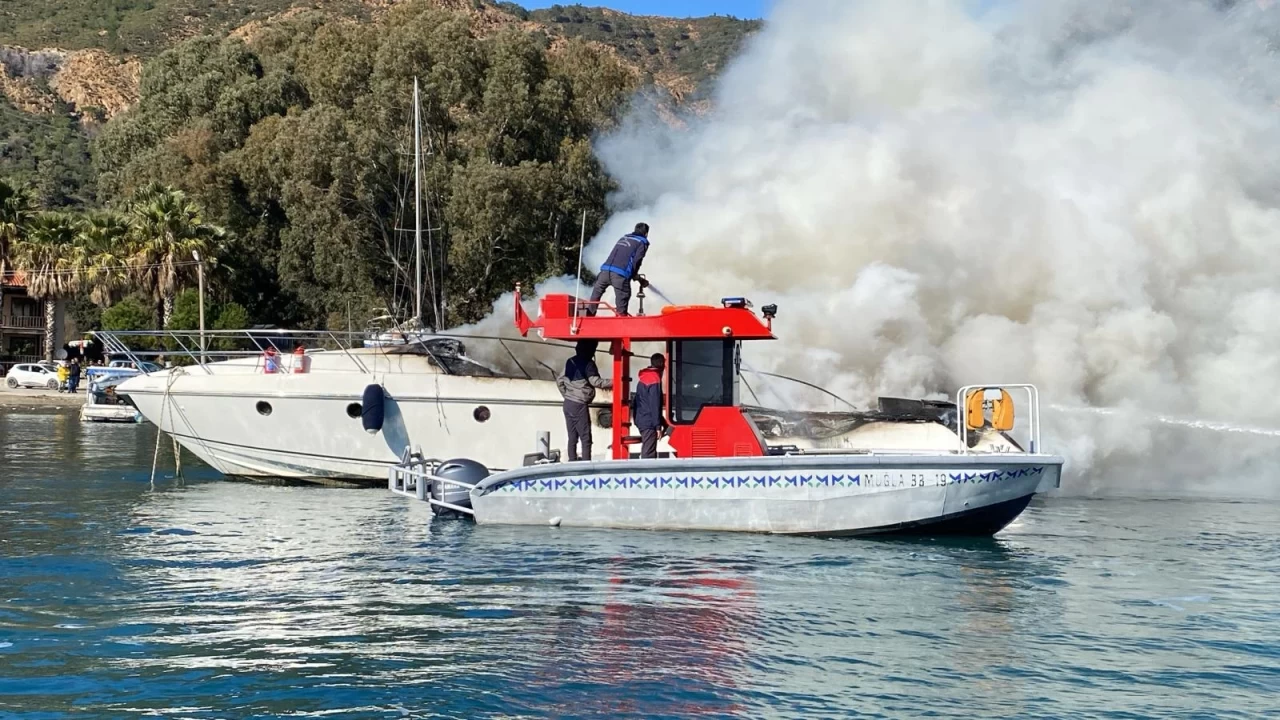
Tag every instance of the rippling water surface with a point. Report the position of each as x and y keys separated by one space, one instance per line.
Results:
x=204 y=598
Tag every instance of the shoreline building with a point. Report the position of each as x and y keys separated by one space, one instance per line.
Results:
x=24 y=325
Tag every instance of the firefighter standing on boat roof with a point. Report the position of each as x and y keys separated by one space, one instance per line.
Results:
x=646 y=406
x=620 y=268
x=578 y=386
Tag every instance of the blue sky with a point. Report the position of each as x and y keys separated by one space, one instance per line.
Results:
x=670 y=8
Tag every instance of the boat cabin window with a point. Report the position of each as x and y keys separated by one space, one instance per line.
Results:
x=703 y=372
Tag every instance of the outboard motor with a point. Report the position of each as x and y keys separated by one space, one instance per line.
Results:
x=462 y=470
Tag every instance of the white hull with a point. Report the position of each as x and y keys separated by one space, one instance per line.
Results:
x=110 y=413
x=309 y=433
x=802 y=494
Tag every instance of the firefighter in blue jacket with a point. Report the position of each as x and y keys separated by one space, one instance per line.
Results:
x=646 y=406
x=620 y=268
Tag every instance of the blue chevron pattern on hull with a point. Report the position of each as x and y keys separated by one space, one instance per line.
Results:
x=728 y=482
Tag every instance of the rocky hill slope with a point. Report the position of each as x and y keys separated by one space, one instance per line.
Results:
x=68 y=66
x=87 y=54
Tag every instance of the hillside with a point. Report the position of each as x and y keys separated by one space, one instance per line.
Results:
x=677 y=53
x=66 y=66
x=287 y=127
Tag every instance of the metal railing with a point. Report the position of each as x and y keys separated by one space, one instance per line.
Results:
x=499 y=356
x=194 y=348
x=139 y=345
x=23 y=322
x=1033 y=400
x=8 y=361
x=506 y=357
x=413 y=478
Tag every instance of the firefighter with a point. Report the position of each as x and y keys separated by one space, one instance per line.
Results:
x=578 y=386
x=646 y=406
x=620 y=268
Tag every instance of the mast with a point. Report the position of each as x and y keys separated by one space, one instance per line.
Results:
x=417 y=206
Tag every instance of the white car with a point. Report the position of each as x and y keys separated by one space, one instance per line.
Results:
x=32 y=375
x=146 y=367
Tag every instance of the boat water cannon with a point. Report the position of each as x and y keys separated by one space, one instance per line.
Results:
x=769 y=312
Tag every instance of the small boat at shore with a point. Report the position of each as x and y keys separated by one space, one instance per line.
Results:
x=722 y=473
x=102 y=403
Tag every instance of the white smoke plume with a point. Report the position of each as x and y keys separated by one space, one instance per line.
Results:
x=1083 y=194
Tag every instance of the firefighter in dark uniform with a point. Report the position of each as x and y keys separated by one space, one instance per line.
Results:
x=578 y=386
x=620 y=268
x=646 y=406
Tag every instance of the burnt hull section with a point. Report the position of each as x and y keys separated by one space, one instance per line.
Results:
x=795 y=495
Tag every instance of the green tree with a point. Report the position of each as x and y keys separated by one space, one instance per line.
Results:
x=186 y=311
x=130 y=313
x=16 y=209
x=300 y=144
x=231 y=316
x=46 y=256
x=167 y=229
x=102 y=257
x=49 y=153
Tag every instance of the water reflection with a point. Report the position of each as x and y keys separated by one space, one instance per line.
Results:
x=670 y=643
x=208 y=599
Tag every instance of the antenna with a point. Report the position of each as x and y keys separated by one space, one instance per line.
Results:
x=417 y=206
x=577 y=288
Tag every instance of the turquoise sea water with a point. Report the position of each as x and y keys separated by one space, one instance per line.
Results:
x=204 y=598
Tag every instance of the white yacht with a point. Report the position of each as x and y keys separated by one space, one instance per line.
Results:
x=310 y=425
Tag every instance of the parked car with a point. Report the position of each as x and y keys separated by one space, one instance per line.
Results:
x=146 y=367
x=32 y=375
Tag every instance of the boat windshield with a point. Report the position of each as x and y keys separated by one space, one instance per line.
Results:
x=703 y=372
x=448 y=354
x=105 y=394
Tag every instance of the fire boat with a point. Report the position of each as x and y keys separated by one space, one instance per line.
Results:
x=721 y=474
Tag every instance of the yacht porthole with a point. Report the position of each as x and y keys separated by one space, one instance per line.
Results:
x=481 y=414
x=264 y=408
x=354 y=410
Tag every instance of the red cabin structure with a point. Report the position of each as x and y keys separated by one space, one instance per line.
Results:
x=700 y=386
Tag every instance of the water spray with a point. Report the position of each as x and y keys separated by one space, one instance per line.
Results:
x=1193 y=424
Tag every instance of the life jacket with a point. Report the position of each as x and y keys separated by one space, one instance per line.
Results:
x=626 y=255
x=646 y=404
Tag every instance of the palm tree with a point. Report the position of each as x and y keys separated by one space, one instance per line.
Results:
x=167 y=227
x=46 y=256
x=102 y=256
x=16 y=208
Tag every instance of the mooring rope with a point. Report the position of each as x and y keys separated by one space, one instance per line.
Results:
x=164 y=405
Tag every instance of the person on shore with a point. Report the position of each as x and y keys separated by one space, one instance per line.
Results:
x=578 y=385
x=619 y=269
x=646 y=406
x=73 y=376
